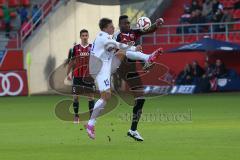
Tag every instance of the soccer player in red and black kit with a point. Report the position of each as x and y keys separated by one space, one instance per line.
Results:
x=131 y=36
x=78 y=59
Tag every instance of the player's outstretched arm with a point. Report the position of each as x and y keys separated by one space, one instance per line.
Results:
x=113 y=44
x=153 y=27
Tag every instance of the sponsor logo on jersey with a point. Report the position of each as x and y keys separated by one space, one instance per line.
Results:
x=84 y=54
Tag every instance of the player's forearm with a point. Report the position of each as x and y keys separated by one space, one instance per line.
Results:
x=68 y=69
x=154 y=27
x=70 y=66
x=122 y=46
x=151 y=29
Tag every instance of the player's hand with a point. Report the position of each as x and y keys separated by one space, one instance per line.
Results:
x=69 y=77
x=159 y=21
x=139 y=48
x=132 y=43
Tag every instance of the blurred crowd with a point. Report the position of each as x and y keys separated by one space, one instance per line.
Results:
x=16 y=18
x=194 y=74
x=203 y=12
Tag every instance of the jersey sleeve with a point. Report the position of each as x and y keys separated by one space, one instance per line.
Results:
x=70 y=55
x=151 y=29
x=116 y=36
x=110 y=43
x=138 y=33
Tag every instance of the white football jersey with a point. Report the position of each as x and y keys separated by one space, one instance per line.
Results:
x=105 y=46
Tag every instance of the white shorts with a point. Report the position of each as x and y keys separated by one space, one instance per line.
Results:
x=101 y=71
x=103 y=78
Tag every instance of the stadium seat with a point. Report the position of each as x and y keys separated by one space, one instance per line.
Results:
x=161 y=40
x=190 y=38
x=234 y=37
x=175 y=39
x=227 y=4
x=236 y=27
x=220 y=36
x=148 y=40
x=25 y=2
x=236 y=14
x=13 y=3
x=13 y=14
x=2 y=2
x=231 y=11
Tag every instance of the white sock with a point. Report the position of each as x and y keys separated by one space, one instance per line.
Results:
x=98 y=107
x=133 y=55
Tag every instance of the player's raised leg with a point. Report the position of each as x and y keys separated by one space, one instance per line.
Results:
x=148 y=59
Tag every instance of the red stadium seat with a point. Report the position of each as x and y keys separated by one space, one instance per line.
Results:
x=190 y=39
x=161 y=40
x=148 y=40
x=220 y=36
x=227 y=4
x=13 y=14
x=231 y=11
x=13 y=3
x=236 y=27
x=175 y=39
x=2 y=2
x=236 y=14
x=234 y=37
x=25 y=2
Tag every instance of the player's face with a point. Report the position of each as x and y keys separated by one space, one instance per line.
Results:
x=110 y=29
x=124 y=25
x=84 y=37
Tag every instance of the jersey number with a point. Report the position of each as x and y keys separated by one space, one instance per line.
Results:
x=93 y=45
x=107 y=83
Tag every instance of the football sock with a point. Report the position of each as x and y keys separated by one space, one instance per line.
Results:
x=91 y=106
x=76 y=108
x=98 y=107
x=137 y=112
x=133 y=55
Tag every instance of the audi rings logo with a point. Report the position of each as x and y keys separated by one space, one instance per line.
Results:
x=6 y=84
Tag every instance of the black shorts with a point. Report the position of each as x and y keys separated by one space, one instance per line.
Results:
x=83 y=85
x=128 y=72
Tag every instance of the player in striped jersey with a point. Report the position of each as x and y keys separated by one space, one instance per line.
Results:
x=78 y=59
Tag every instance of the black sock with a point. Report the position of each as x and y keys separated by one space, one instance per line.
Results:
x=137 y=112
x=76 y=108
x=91 y=106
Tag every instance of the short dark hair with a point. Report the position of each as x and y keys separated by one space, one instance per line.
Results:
x=122 y=17
x=104 y=22
x=83 y=31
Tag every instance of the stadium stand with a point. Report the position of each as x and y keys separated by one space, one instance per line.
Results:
x=227 y=30
x=30 y=13
x=171 y=35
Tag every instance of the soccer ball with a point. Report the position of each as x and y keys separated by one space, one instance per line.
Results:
x=143 y=23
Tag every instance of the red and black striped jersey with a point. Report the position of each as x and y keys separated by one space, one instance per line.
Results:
x=130 y=37
x=81 y=55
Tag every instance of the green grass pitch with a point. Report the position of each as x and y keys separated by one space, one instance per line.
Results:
x=29 y=130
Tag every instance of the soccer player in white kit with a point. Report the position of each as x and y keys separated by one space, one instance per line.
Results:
x=103 y=50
